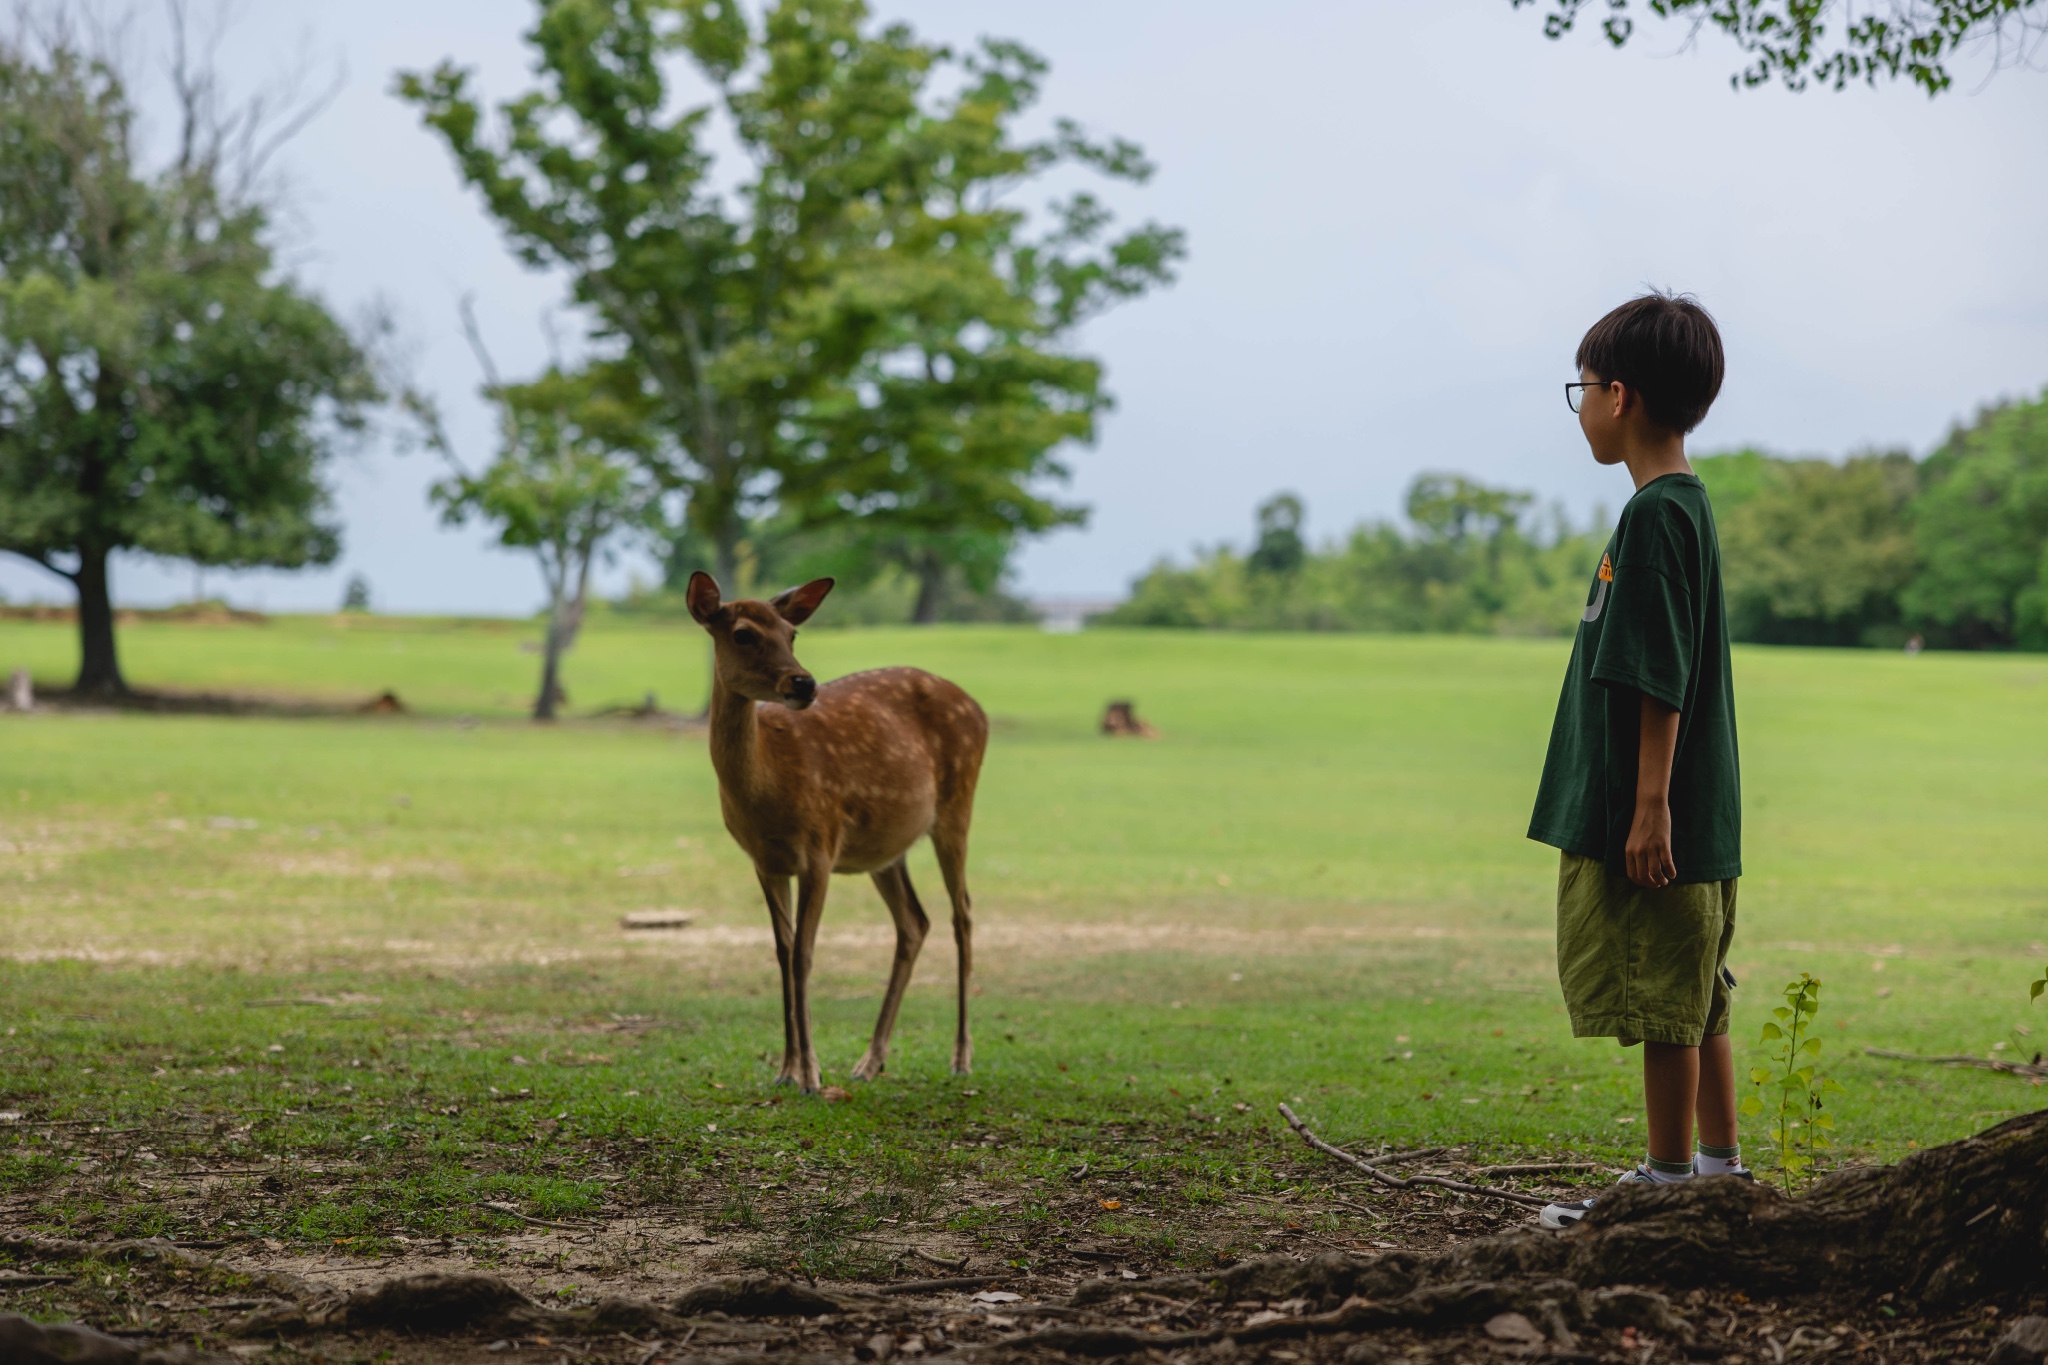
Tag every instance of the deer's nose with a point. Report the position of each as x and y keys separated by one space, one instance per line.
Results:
x=803 y=688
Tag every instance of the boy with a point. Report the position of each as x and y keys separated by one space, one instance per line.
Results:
x=1640 y=790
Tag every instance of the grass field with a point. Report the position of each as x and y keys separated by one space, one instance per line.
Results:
x=1313 y=886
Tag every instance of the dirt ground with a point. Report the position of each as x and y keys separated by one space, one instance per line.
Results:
x=666 y=1287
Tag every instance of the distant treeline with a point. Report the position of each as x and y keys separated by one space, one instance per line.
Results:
x=1473 y=559
x=1871 y=550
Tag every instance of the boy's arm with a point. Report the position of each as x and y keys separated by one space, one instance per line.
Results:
x=1648 y=855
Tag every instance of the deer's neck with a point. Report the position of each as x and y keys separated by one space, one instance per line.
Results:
x=735 y=741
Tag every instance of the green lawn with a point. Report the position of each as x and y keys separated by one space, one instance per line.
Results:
x=1313 y=884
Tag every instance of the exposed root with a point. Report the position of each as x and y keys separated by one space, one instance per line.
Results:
x=1952 y=1228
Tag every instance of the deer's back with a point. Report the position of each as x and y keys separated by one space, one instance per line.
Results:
x=877 y=758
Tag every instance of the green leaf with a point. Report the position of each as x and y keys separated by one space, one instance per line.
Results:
x=1811 y=1045
x=1771 y=1031
x=1781 y=1013
x=1758 y=1075
x=2038 y=987
x=1752 y=1106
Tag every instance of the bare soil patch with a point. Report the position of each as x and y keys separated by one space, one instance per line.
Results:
x=1717 y=1270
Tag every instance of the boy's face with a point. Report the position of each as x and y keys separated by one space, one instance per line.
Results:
x=1601 y=417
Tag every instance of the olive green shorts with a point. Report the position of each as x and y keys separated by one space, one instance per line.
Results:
x=1640 y=964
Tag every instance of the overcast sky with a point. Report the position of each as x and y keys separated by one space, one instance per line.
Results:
x=1400 y=217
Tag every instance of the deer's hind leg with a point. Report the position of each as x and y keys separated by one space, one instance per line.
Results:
x=776 y=889
x=911 y=926
x=949 y=841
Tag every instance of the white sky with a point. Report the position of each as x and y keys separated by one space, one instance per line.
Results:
x=1401 y=217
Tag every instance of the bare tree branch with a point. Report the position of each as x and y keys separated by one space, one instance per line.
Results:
x=466 y=305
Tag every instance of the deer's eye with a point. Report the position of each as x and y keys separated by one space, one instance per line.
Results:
x=745 y=637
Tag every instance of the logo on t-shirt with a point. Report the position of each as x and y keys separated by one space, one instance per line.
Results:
x=1593 y=608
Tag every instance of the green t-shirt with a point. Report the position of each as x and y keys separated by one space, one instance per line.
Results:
x=1655 y=623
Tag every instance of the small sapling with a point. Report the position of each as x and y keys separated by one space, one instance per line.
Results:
x=1800 y=1125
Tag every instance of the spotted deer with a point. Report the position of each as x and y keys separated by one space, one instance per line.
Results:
x=840 y=778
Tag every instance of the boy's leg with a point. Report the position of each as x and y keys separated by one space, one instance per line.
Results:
x=1671 y=1089
x=1718 y=1124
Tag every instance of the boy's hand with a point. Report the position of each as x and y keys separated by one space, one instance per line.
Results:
x=1648 y=854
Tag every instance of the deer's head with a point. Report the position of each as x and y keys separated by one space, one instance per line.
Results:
x=752 y=643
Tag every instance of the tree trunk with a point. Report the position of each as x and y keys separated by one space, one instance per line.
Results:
x=726 y=546
x=99 y=666
x=931 y=590
x=550 y=675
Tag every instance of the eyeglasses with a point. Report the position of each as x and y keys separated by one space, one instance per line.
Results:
x=1575 y=394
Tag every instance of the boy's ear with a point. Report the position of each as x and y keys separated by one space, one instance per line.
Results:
x=796 y=605
x=702 y=597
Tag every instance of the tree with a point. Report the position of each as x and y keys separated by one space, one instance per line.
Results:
x=1981 y=527
x=1818 y=551
x=162 y=387
x=856 y=322
x=929 y=454
x=1280 y=548
x=1835 y=42
x=570 y=476
x=604 y=171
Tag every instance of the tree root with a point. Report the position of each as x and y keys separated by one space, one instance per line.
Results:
x=1948 y=1225
x=24 y=1341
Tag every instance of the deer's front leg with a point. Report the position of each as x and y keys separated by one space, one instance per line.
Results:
x=811 y=886
x=776 y=889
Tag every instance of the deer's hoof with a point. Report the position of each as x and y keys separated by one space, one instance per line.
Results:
x=786 y=1078
x=866 y=1069
x=963 y=1062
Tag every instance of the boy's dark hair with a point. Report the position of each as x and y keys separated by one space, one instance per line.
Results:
x=1666 y=348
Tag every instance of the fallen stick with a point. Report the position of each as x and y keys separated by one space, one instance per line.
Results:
x=1983 y=1063
x=1405 y=1182
x=940 y=1261
x=1416 y=1155
x=1540 y=1168
x=937 y=1286
x=496 y=1207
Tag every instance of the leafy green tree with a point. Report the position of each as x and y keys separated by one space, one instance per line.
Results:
x=1814 y=552
x=1280 y=548
x=1832 y=42
x=570 y=480
x=164 y=387
x=856 y=315
x=1981 y=525
x=1733 y=477
x=929 y=454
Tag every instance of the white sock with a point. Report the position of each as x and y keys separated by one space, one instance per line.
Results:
x=1717 y=1160
x=1667 y=1172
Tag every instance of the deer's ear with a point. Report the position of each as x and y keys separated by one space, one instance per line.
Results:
x=796 y=605
x=702 y=596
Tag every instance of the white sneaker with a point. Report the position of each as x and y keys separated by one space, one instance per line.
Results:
x=1564 y=1215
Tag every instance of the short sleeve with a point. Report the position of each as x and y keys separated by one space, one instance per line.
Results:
x=1650 y=642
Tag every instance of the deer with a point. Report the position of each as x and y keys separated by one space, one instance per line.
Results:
x=843 y=777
